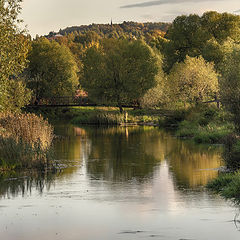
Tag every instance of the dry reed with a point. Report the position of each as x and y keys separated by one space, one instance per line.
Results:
x=25 y=140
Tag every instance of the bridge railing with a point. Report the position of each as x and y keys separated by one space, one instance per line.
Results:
x=61 y=101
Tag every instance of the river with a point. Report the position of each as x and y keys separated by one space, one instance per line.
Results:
x=119 y=183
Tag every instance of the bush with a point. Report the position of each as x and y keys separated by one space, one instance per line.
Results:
x=231 y=154
x=173 y=120
x=227 y=185
x=205 y=125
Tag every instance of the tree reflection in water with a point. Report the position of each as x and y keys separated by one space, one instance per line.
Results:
x=120 y=154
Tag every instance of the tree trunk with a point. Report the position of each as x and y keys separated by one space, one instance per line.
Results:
x=120 y=108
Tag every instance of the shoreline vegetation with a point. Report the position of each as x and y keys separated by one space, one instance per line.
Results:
x=25 y=141
x=202 y=124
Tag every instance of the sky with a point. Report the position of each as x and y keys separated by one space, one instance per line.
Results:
x=43 y=16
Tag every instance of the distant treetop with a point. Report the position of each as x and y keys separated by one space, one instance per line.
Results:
x=133 y=29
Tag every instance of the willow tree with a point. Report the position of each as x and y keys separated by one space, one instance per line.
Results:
x=119 y=71
x=13 y=48
x=193 y=81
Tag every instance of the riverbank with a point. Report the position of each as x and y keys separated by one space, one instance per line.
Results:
x=227 y=185
x=202 y=124
x=103 y=115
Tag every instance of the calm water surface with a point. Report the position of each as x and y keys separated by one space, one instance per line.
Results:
x=119 y=183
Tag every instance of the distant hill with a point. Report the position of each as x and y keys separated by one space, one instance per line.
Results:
x=116 y=30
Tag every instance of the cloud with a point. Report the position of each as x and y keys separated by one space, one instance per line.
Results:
x=161 y=2
x=237 y=11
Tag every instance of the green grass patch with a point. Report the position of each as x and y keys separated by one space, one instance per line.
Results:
x=227 y=185
x=205 y=125
x=112 y=116
x=211 y=133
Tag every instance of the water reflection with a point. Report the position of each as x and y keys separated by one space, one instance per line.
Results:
x=121 y=155
x=141 y=181
x=124 y=154
x=23 y=183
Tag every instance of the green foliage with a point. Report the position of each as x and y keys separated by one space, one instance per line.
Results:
x=221 y=26
x=231 y=154
x=203 y=124
x=156 y=96
x=172 y=120
x=193 y=81
x=194 y=35
x=215 y=51
x=123 y=30
x=186 y=37
x=13 y=47
x=52 y=69
x=119 y=71
x=228 y=185
x=221 y=182
x=230 y=84
x=18 y=95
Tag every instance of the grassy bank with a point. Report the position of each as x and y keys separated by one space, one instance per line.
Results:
x=203 y=124
x=227 y=185
x=25 y=141
x=102 y=115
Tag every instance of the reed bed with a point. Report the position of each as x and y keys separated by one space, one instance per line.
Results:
x=25 y=140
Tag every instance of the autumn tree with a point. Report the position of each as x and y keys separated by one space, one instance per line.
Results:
x=193 y=81
x=13 y=48
x=119 y=71
x=52 y=69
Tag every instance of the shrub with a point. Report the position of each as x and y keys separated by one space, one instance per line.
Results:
x=227 y=185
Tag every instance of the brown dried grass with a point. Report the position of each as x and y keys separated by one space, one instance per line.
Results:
x=24 y=139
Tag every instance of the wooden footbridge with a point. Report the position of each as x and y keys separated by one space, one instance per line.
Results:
x=73 y=101
x=69 y=101
x=66 y=101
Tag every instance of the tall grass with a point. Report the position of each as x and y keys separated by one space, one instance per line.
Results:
x=25 y=140
x=99 y=118
x=227 y=185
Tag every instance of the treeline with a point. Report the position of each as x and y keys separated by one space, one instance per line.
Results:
x=125 y=29
x=192 y=62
